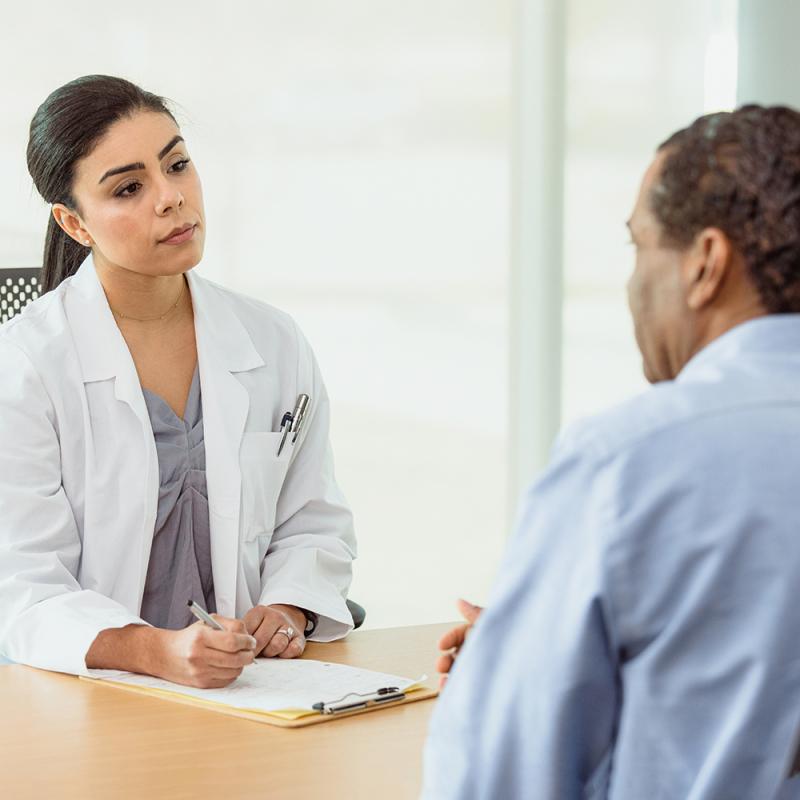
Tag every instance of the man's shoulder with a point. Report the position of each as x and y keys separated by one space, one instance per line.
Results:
x=668 y=411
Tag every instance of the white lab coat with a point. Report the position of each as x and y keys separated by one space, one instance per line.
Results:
x=79 y=472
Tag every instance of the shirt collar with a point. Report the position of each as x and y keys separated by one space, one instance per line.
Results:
x=773 y=334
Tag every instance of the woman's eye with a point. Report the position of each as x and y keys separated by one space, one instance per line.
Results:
x=180 y=166
x=129 y=189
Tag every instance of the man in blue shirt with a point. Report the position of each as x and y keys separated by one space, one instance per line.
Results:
x=643 y=638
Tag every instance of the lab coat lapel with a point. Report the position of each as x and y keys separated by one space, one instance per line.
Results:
x=224 y=348
x=102 y=350
x=104 y=356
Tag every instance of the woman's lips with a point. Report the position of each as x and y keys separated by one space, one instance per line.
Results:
x=181 y=237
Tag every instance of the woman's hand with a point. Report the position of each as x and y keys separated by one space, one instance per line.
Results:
x=278 y=630
x=454 y=639
x=203 y=657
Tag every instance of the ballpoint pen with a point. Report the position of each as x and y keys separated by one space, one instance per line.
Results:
x=286 y=426
x=204 y=616
x=291 y=422
x=300 y=415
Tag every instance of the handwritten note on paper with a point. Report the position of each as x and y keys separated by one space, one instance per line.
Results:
x=274 y=685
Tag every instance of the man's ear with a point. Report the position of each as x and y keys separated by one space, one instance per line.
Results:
x=705 y=267
x=71 y=224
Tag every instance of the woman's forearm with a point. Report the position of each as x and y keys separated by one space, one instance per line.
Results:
x=134 y=648
x=194 y=656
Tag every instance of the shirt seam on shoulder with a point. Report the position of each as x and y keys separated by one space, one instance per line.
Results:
x=602 y=449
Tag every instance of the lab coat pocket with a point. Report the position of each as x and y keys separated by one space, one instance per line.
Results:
x=263 y=474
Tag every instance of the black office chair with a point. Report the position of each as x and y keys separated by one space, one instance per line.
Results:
x=21 y=285
x=17 y=288
x=357 y=613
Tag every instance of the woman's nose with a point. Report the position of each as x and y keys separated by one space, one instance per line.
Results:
x=170 y=199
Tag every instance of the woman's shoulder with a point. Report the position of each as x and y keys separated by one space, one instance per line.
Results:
x=40 y=324
x=242 y=304
x=264 y=322
x=37 y=350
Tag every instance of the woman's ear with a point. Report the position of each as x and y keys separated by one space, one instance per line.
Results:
x=71 y=224
x=705 y=267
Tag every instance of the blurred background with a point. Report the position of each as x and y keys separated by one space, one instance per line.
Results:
x=361 y=162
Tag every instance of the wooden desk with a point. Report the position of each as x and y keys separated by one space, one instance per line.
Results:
x=64 y=738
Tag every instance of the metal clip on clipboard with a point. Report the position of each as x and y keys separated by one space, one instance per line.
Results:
x=388 y=694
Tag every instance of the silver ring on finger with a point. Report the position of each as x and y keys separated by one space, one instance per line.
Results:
x=288 y=632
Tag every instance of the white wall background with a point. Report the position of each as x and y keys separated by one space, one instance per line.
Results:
x=635 y=74
x=355 y=158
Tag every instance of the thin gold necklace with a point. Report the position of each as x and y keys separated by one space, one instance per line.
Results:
x=152 y=319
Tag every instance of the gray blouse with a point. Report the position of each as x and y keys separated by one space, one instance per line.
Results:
x=180 y=559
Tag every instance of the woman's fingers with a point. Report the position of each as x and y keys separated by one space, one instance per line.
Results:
x=252 y=619
x=218 y=678
x=274 y=642
x=295 y=648
x=279 y=642
x=201 y=656
x=272 y=630
x=227 y=641
x=230 y=624
x=221 y=660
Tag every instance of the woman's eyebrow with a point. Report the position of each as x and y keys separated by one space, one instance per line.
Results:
x=138 y=164
x=172 y=142
x=117 y=170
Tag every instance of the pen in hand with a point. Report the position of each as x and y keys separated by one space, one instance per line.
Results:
x=208 y=655
x=204 y=616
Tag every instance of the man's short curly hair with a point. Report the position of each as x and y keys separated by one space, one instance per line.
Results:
x=739 y=171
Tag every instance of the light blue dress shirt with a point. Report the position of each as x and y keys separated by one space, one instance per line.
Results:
x=642 y=641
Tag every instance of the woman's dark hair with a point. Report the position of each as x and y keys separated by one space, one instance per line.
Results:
x=65 y=129
x=739 y=171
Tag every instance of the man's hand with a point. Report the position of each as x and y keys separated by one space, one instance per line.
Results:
x=454 y=639
x=278 y=630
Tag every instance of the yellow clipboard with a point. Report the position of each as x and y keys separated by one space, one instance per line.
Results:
x=288 y=718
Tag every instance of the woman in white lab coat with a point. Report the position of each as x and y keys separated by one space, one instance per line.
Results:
x=141 y=409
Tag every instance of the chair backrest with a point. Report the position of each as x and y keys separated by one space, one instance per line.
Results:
x=17 y=288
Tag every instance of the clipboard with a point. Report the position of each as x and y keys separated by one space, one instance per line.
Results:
x=412 y=694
